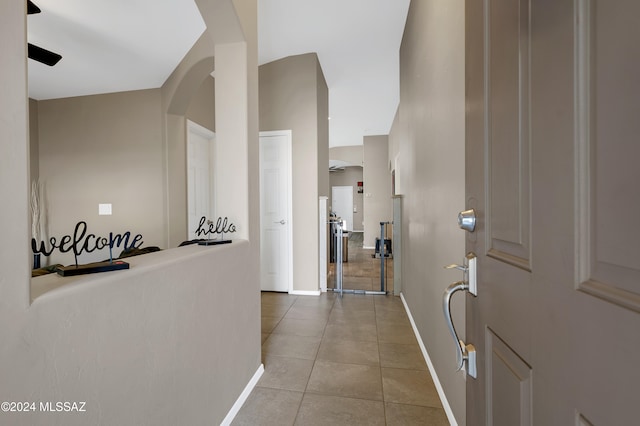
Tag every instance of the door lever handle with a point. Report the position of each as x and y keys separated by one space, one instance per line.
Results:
x=281 y=222
x=458 y=267
x=446 y=306
x=464 y=353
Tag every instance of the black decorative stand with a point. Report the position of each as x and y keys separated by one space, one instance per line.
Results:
x=91 y=268
x=213 y=242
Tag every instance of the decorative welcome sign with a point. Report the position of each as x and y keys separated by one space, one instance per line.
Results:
x=82 y=242
x=221 y=227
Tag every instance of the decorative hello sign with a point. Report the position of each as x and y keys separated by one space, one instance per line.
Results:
x=82 y=242
x=221 y=227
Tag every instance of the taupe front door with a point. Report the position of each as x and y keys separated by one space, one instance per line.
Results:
x=552 y=170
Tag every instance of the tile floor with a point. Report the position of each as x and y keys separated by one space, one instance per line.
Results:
x=340 y=361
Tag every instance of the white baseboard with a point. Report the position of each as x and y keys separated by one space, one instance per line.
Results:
x=369 y=247
x=243 y=397
x=305 y=292
x=432 y=370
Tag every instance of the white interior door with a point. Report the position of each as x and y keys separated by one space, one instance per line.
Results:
x=275 y=211
x=200 y=197
x=342 y=204
x=551 y=170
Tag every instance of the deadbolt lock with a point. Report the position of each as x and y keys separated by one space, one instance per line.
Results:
x=467 y=220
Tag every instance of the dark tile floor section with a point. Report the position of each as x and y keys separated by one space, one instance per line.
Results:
x=340 y=361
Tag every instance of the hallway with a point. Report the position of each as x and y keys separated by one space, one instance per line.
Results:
x=341 y=361
x=332 y=361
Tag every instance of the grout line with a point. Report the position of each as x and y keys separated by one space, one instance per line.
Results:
x=304 y=392
x=375 y=319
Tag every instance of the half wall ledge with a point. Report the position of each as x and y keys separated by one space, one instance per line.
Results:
x=180 y=329
x=139 y=267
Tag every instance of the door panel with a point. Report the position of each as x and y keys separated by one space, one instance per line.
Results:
x=551 y=169
x=275 y=207
x=509 y=382
x=606 y=153
x=508 y=142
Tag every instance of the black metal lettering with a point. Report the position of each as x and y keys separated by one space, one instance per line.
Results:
x=103 y=243
x=42 y=249
x=77 y=248
x=201 y=231
x=63 y=242
x=87 y=243
x=117 y=240
x=135 y=242
x=222 y=226
x=82 y=242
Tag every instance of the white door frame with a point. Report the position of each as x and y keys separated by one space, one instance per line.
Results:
x=195 y=128
x=289 y=189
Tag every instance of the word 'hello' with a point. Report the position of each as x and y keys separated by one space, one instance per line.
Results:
x=80 y=243
x=221 y=227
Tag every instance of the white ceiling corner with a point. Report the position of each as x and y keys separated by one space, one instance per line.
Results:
x=109 y=46
x=358 y=44
x=117 y=45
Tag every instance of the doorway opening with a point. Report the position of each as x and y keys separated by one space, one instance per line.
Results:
x=361 y=269
x=200 y=175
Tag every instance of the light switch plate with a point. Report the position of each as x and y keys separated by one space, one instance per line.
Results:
x=104 y=209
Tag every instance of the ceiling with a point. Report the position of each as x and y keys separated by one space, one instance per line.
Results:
x=113 y=45
x=109 y=45
x=358 y=44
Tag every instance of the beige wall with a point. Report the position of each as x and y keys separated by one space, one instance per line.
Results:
x=34 y=168
x=293 y=97
x=178 y=92
x=202 y=109
x=351 y=154
x=350 y=176
x=378 y=205
x=108 y=149
x=157 y=344
x=429 y=136
x=103 y=149
x=247 y=11
x=149 y=345
x=323 y=132
x=15 y=249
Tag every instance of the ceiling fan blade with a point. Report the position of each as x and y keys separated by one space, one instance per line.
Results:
x=32 y=8
x=45 y=56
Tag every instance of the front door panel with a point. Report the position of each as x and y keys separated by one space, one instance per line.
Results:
x=553 y=91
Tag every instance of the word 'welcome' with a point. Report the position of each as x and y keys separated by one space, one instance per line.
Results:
x=82 y=242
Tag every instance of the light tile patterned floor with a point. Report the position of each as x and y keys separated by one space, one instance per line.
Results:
x=340 y=361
